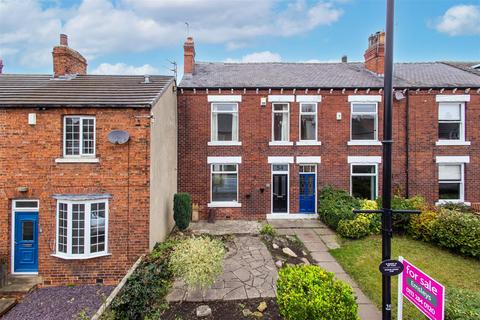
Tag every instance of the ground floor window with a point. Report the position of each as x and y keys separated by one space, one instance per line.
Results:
x=451 y=184
x=224 y=183
x=82 y=228
x=364 y=181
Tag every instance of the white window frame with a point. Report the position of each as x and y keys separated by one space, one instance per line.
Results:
x=86 y=255
x=363 y=175
x=452 y=142
x=374 y=141
x=223 y=204
x=280 y=142
x=81 y=154
x=462 y=183
x=300 y=114
x=288 y=185
x=213 y=142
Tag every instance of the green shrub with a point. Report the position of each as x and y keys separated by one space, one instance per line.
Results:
x=462 y=304
x=268 y=229
x=198 y=261
x=356 y=228
x=400 y=221
x=145 y=291
x=368 y=204
x=335 y=205
x=182 y=210
x=458 y=231
x=457 y=207
x=421 y=226
x=309 y=292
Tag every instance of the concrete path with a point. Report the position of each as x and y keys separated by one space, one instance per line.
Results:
x=249 y=272
x=220 y=227
x=318 y=239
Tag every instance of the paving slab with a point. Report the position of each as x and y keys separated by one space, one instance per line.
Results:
x=330 y=266
x=249 y=272
x=6 y=304
x=221 y=227
x=318 y=246
x=369 y=312
x=322 y=256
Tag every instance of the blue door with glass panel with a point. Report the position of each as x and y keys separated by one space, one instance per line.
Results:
x=26 y=242
x=307 y=192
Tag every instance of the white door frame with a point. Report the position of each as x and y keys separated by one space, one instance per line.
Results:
x=288 y=187
x=12 y=240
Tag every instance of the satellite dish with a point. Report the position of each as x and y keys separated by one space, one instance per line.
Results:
x=118 y=136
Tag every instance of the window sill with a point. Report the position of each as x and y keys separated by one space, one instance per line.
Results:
x=224 y=204
x=280 y=143
x=308 y=143
x=452 y=143
x=440 y=202
x=364 y=143
x=77 y=160
x=224 y=143
x=80 y=257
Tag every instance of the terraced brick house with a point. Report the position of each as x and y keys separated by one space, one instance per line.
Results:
x=259 y=140
x=87 y=170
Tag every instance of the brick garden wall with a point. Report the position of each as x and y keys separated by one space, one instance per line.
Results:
x=27 y=156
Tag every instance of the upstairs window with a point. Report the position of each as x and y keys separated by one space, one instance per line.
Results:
x=82 y=228
x=364 y=181
x=224 y=122
x=308 y=122
x=451 y=184
x=364 y=122
x=281 y=125
x=79 y=136
x=451 y=121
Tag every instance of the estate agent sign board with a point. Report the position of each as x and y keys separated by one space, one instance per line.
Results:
x=424 y=292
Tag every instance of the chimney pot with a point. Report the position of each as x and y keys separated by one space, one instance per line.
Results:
x=344 y=59
x=63 y=40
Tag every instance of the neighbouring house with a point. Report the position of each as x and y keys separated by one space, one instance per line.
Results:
x=88 y=170
x=258 y=140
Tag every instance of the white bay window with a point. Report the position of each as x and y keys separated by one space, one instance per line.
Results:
x=82 y=228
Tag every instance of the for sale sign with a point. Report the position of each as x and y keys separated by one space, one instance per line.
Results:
x=423 y=291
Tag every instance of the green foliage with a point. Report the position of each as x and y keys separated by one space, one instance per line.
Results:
x=336 y=205
x=268 y=229
x=421 y=226
x=198 y=261
x=309 y=292
x=401 y=222
x=458 y=231
x=356 y=228
x=462 y=304
x=368 y=204
x=145 y=291
x=457 y=207
x=182 y=210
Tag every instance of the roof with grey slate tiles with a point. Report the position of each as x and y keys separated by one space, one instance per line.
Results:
x=81 y=90
x=466 y=66
x=324 y=75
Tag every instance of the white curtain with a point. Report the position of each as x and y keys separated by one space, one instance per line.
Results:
x=450 y=172
x=235 y=126
x=214 y=127
x=285 y=126
x=449 y=112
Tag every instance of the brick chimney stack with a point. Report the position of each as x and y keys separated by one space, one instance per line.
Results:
x=375 y=54
x=67 y=61
x=1 y=66
x=189 y=56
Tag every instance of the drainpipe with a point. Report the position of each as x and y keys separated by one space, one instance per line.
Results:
x=407 y=141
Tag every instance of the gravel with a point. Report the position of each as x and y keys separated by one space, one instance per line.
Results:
x=60 y=303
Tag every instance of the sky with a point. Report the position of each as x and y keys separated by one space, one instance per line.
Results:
x=144 y=36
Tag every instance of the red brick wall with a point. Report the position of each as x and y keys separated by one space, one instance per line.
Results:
x=27 y=156
x=255 y=134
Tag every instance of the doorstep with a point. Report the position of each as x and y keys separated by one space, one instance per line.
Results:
x=19 y=285
x=291 y=216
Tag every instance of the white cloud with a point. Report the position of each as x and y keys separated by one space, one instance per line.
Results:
x=264 y=56
x=99 y=27
x=460 y=20
x=122 y=68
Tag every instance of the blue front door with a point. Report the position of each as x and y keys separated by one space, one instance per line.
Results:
x=307 y=193
x=26 y=242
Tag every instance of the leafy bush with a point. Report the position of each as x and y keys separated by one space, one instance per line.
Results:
x=421 y=226
x=368 y=204
x=182 y=210
x=268 y=230
x=356 y=228
x=336 y=205
x=198 y=261
x=458 y=231
x=401 y=222
x=457 y=207
x=309 y=292
x=144 y=293
x=462 y=304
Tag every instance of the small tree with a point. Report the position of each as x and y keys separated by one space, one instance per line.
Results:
x=182 y=210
